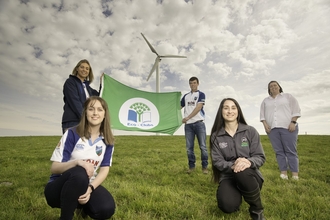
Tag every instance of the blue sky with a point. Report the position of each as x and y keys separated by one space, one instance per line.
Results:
x=234 y=47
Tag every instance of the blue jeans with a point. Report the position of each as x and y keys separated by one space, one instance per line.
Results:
x=198 y=129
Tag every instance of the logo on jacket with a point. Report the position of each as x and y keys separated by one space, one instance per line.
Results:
x=244 y=142
x=223 y=145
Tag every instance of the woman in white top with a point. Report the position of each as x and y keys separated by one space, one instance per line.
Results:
x=279 y=113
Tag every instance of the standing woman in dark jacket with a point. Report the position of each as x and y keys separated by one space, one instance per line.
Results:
x=236 y=155
x=76 y=90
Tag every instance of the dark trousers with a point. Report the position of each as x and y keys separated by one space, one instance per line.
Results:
x=64 y=192
x=230 y=191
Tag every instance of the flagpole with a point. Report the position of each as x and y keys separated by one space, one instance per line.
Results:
x=157 y=84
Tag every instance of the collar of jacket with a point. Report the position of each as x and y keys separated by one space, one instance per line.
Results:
x=241 y=127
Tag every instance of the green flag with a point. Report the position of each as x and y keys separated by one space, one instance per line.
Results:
x=135 y=110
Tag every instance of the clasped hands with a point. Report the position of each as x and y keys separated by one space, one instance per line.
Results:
x=241 y=164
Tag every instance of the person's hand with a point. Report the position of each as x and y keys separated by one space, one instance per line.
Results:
x=241 y=164
x=101 y=78
x=292 y=127
x=89 y=167
x=184 y=120
x=83 y=199
x=267 y=128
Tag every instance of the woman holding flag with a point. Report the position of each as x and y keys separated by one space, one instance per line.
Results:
x=76 y=90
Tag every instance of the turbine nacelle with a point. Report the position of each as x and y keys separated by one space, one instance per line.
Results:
x=157 y=60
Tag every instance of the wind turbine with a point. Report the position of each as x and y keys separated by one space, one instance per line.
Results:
x=157 y=60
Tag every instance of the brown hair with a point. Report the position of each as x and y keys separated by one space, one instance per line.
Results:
x=194 y=78
x=105 y=129
x=219 y=123
x=281 y=90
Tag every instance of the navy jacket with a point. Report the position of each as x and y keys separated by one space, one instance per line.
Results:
x=74 y=98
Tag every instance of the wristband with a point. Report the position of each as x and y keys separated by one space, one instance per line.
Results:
x=92 y=187
x=294 y=122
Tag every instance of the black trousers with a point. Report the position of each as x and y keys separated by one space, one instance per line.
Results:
x=64 y=192
x=245 y=184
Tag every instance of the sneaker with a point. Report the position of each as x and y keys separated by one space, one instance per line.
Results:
x=191 y=170
x=284 y=177
x=295 y=177
x=205 y=171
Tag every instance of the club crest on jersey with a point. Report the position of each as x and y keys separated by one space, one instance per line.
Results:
x=98 y=150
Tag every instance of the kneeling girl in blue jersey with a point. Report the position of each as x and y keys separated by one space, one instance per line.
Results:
x=82 y=151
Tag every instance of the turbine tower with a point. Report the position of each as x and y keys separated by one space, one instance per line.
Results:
x=156 y=64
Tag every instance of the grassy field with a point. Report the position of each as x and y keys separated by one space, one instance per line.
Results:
x=148 y=181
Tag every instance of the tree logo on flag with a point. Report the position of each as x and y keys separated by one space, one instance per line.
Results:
x=139 y=113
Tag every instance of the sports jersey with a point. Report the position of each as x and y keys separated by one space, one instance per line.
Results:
x=71 y=147
x=189 y=101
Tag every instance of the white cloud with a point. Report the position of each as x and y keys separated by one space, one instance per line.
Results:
x=234 y=47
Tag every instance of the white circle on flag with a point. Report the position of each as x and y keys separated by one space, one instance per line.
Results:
x=139 y=113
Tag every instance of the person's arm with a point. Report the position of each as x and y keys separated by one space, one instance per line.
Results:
x=257 y=155
x=71 y=94
x=101 y=79
x=218 y=159
x=295 y=112
x=103 y=173
x=263 y=119
x=292 y=125
x=61 y=167
x=194 y=112
x=62 y=154
x=101 y=176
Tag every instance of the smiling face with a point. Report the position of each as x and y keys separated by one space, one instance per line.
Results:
x=95 y=113
x=193 y=85
x=274 y=88
x=229 y=111
x=83 y=71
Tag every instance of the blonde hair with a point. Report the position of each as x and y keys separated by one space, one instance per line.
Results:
x=90 y=77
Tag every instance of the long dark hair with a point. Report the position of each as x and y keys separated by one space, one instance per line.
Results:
x=105 y=128
x=218 y=124
x=281 y=90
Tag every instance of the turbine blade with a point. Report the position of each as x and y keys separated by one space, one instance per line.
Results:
x=172 y=56
x=153 y=67
x=150 y=46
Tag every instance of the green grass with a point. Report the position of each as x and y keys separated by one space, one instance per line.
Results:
x=148 y=181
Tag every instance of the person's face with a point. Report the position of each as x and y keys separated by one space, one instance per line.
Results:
x=274 y=88
x=193 y=85
x=229 y=111
x=95 y=113
x=83 y=71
